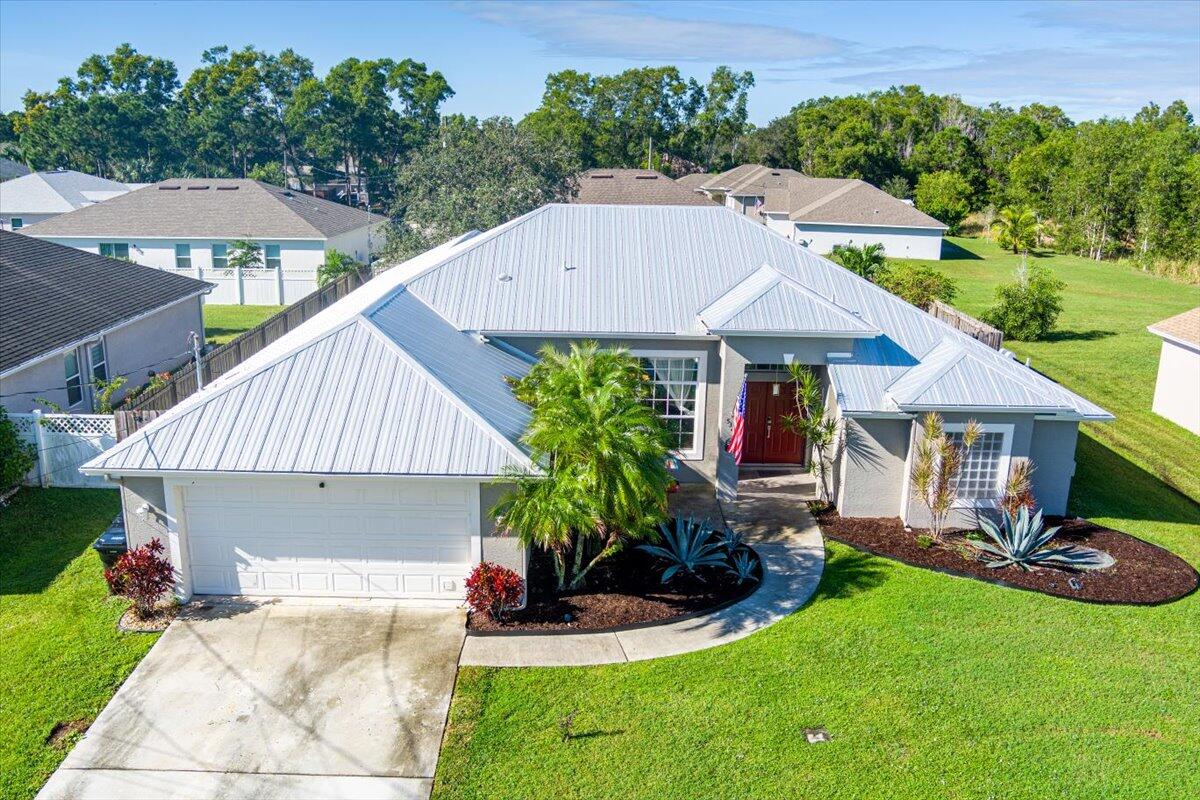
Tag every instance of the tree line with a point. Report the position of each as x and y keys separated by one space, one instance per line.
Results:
x=1104 y=188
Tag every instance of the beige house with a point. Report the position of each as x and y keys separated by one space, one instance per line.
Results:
x=1177 y=392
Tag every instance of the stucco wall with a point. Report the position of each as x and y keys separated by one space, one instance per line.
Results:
x=354 y=243
x=1052 y=449
x=26 y=219
x=499 y=547
x=1177 y=392
x=871 y=469
x=140 y=529
x=897 y=242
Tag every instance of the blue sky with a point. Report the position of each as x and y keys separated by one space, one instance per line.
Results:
x=1091 y=58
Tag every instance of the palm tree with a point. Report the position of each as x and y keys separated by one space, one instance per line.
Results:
x=810 y=421
x=603 y=451
x=1017 y=229
x=864 y=261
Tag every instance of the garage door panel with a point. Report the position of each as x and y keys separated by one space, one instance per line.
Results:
x=413 y=539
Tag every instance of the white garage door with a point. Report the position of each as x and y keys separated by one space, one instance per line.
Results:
x=364 y=538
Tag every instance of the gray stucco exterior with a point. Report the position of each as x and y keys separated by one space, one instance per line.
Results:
x=141 y=528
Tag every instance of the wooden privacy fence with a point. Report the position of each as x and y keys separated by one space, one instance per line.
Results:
x=967 y=324
x=224 y=358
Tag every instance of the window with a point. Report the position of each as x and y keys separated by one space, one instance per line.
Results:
x=183 y=256
x=220 y=256
x=98 y=362
x=271 y=256
x=984 y=471
x=17 y=223
x=74 y=380
x=677 y=396
x=115 y=250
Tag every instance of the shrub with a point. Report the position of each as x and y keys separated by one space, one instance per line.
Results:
x=1021 y=540
x=945 y=196
x=336 y=265
x=686 y=547
x=918 y=285
x=936 y=466
x=493 y=589
x=1018 y=492
x=863 y=261
x=17 y=456
x=925 y=541
x=1016 y=229
x=1028 y=308
x=143 y=576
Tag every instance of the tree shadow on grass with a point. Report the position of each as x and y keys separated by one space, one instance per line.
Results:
x=848 y=573
x=1107 y=484
x=1077 y=336
x=953 y=252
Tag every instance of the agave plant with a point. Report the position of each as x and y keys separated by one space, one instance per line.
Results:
x=1022 y=540
x=686 y=547
x=729 y=539
x=742 y=564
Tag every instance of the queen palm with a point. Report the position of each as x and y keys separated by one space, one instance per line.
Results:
x=1016 y=229
x=603 y=454
x=863 y=261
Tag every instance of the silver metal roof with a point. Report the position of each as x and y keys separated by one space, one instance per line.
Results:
x=770 y=302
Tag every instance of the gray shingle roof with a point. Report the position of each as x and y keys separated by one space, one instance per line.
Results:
x=695 y=180
x=52 y=295
x=634 y=187
x=10 y=169
x=57 y=192
x=748 y=179
x=210 y=208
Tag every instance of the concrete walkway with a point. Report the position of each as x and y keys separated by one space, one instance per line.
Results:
x=772 y=516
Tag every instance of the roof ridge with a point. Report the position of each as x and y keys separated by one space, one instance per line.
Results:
x=938 y=373
x=852 y=183
x=262 y=187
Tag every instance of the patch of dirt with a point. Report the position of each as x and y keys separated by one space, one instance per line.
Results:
x=163 y=614
x=1144 y=574
x=63 y=733
x=622 y=590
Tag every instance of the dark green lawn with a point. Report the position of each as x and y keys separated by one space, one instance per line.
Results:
x=61 y=657
x=223 y=323
x=932 y=686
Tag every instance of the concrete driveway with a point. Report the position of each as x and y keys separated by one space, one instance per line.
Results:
x=276 y=700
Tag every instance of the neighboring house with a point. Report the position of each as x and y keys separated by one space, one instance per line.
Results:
x=634 y=187
x=188 y=227
x=1177 y=393
x=820 y=213
x=357 y=455
x=10 y=169
x=69 y=318
x=694 y=181
x=39 y=196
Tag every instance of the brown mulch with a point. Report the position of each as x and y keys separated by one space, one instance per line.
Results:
x=64 y=733
x=621 y=591
x=158 y=622
x=1144 y=573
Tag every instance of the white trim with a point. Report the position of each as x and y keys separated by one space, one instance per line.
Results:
x=698 y=429
x=1002 y=467
x=673 y=335
x=868 y=225
x=114 y=473
x=1175 y=340
x=794 y=334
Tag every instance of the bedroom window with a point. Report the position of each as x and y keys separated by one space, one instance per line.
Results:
x=115 y=250
x=676 y=394
x=220 y=256
x=74 y=379
x=98 y=362
x=984 y=471
x=271 y=256
x=183 y=256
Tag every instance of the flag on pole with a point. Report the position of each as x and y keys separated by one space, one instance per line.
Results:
x=738 y=438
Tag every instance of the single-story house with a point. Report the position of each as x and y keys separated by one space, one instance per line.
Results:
x=359 y=453
x=1177 y=392
x=634 y=187
x=821 y=213
x=69 y=318
x=694 y=181
x=38 y=196
x=188 y=227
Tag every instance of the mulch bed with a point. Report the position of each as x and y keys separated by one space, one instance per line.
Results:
x=622 y=591
x=1144 y=574
x=163 y=614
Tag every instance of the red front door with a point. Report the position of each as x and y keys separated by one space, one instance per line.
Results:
x=768 y=441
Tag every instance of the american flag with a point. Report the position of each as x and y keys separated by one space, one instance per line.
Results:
x=738 y=438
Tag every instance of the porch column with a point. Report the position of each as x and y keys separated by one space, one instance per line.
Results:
x=733 y=372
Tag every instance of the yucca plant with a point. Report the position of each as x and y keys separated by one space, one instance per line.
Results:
x=742 y=564
x=935 y=469
x=1018 y=492
x=1021 y=540
x=686 y=546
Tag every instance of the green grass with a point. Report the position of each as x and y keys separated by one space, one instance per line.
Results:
x=931 y=686
x=223 y=323
x=1101 y=349
x=61 y=657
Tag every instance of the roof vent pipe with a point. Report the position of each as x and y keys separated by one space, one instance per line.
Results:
x=504 y=277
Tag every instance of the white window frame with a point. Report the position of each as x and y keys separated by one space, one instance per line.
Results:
x=267 y=259
x=212 y=251
x=696 y=453
x=16 y=223
x=92 y=364
x=186 y=248
x=78 y=376
x=1002 y=469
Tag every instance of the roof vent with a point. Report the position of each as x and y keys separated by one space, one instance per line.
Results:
x=227 y=188
x=168 y=188
x=568 y=268
x=645 y=177
x=196 y=188
x=504 y=277
x=597 y=177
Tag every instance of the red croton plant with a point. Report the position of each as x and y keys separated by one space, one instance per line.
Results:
x=143 y=576
x=493 y=589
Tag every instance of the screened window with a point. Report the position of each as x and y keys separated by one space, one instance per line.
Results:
x=220 y=256
x=674 y=395
x=982 y=474
x=271 y=256
x=115 y=249
x=183 y=256
x=74 y=379
x=98 y=362
x=17 y=223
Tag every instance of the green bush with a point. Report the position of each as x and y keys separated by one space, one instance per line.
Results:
x=945 y=196
x=918 y=285
x=1028 y=308
x=336 y=265
x=17 y=456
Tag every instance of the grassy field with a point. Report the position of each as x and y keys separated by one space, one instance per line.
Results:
x=223 y=323
x=931 y=686
x=61 y=657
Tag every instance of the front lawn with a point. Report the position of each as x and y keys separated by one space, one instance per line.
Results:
x=930 y=685
x=223 y=323
x=61 y=657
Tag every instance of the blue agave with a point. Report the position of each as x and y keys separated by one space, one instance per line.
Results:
x=686 y=547
x=1022 y=540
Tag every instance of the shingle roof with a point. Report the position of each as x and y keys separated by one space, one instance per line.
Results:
x=749 y=179
x=210 y=208
x=695 y=180
x=57 y=192
x=1183 y=327
x=10 y=169
x=834 y=201
x=377 y=384
x=52 y=295
x=634 y=187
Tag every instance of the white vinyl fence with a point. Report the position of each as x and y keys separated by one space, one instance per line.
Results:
x=64 y=442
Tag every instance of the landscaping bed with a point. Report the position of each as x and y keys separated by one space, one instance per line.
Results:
x=1144 y=574
x=621 y=592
